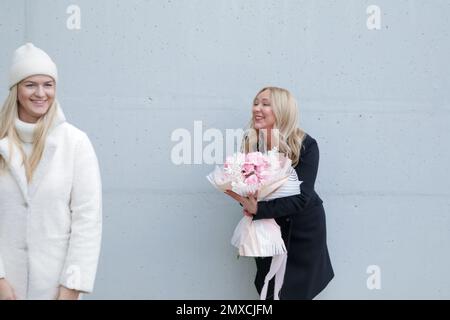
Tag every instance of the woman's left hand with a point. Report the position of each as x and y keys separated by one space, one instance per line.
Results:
x=67 y=294
x=249 y=203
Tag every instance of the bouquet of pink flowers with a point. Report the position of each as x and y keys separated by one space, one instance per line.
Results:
x=272 y=176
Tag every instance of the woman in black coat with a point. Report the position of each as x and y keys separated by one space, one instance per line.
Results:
x=300 y=217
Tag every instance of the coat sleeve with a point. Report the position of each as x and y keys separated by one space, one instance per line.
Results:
x=297 y=204
x=86 y=227
x=2 y=268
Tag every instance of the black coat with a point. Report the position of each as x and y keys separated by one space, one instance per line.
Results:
x=302 y=222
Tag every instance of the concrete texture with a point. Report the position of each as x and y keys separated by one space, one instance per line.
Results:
x=377 y=101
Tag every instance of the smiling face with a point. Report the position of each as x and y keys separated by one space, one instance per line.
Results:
x=35 y=95
x=263 y=116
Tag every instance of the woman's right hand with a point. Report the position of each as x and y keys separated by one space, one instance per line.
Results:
x=248 y=214
x=6 y=291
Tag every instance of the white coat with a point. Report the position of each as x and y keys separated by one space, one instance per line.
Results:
x=50 y=228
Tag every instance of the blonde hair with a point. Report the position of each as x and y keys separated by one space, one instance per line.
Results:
x=288 y=137
x=8 y=116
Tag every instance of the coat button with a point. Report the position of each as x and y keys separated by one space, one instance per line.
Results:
x=26 y=205
x=288 y=219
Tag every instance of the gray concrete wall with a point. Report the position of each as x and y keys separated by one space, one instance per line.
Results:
x=377 y=101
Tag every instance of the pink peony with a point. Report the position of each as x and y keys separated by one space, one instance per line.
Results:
x=255 y=158
x=248 y=168
x=251 y=180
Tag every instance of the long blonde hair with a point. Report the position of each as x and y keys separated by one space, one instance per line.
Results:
x=8 y=116
x=289 y=137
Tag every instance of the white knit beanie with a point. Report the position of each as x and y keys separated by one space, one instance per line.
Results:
x=29 y=61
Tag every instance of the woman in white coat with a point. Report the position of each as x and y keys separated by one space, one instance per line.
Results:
x=50 y=190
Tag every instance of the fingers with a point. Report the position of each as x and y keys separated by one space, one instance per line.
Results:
x=253 y=195
x=249 y=214
x=6 y=291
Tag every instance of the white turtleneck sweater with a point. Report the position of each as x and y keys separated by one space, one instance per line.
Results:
x=26 y=134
